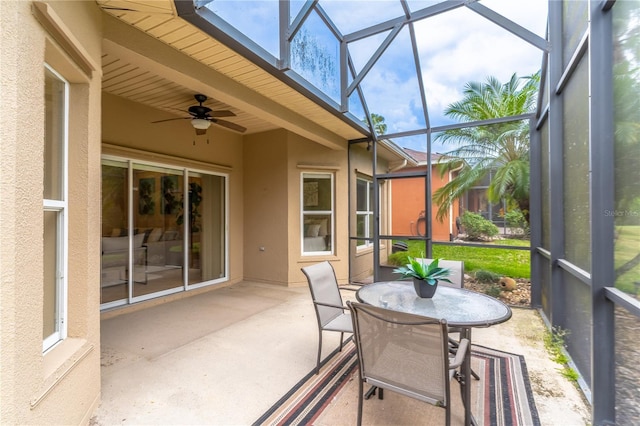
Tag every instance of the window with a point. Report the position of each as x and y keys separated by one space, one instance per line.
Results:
x=364 y=211
x=317 y=213
x=55 y=208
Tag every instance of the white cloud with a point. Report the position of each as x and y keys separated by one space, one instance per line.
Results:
x=474 y=58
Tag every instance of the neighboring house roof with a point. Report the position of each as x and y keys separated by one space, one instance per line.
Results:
x=401 y=156
x=420 y=157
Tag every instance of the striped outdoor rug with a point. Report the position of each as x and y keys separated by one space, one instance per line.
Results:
x=502 y=396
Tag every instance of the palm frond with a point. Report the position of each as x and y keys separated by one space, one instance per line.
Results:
x=503 y=147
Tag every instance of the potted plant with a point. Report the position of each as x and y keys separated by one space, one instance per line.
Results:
x=425 y=277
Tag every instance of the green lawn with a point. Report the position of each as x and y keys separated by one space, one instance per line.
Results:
x=504 y=262
x=627 y=246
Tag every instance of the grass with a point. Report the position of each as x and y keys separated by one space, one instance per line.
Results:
x=626 y=248
x=554 y=343
x=503 y=262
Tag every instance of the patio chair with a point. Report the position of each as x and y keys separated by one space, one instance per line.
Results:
x=405 y=353
x=331 y=314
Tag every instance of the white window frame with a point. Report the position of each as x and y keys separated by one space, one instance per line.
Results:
x=135 y=161
x=330 y=213
x=368 y=214
x=61 y=208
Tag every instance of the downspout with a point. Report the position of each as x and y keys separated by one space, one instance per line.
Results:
x=401 y=166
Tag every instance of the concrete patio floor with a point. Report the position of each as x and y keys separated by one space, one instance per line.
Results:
x=225 y=356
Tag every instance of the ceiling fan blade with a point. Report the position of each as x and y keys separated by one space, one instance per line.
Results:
x=221 y=113
x=171 y=119
x=230 y=125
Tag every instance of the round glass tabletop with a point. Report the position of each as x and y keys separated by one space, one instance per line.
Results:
x=460 y=307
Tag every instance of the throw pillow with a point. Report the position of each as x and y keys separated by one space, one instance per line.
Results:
x=170 y=236
x=155 y=235
x=312 y=230
x=115 y=243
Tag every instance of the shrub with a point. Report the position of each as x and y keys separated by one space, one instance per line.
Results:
x=400 y=258
x=477 y=227
x=487 y=276
x=493 y=291
x=515 y=219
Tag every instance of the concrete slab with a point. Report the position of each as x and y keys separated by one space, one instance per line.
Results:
x=224 y=357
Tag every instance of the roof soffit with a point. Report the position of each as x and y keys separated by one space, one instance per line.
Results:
x=181 y=53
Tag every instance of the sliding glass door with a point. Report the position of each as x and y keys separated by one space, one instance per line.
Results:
x=206 y=215
x=163 y=230
x=115 y=225
x=158 y=241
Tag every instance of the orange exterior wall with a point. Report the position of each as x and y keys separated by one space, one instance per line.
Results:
x=408 y=203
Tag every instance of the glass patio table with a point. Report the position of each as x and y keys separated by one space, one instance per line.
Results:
x=460 y=307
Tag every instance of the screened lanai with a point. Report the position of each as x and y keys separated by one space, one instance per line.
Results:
x=407 y=61
x=390 y=70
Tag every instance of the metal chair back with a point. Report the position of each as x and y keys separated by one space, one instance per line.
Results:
x=404 y=353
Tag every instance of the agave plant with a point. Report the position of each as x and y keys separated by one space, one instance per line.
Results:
x=417 y=268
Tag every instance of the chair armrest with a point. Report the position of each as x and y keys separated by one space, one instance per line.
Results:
x=348 y=288
x=344 y=308
x=460 y=353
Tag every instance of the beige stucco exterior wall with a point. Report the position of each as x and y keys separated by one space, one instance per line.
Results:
x=265 y=201
x=63 y=385
x=306 y=156
x=273 y=164
x=264 y=170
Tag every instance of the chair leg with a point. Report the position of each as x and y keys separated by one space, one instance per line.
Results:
x=462 y=382
x=319 y=351
x=360 y=397
x=372 y=391
x=448 y=415
x=341 y=340
x=475 y=375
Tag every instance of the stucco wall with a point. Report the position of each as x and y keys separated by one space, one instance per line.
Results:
x=408 y=203
x=306 y=156
x=273 y=163
x=265 y=200
x=63 y=385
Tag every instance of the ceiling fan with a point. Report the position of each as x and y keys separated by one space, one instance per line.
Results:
x=202 y=116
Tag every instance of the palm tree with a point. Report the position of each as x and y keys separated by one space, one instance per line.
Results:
x=378 y=123
x=502 y=147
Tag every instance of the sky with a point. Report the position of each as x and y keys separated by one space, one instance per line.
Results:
x=453 y=48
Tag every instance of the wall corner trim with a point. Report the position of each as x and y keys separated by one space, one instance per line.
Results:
x=54 y=25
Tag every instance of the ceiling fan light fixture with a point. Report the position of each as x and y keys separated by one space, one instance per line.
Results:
x=200 y=123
